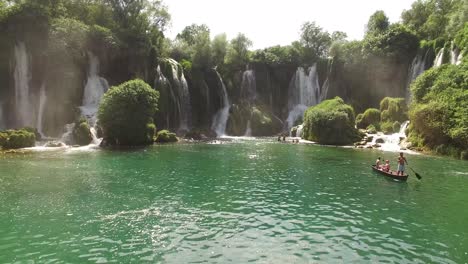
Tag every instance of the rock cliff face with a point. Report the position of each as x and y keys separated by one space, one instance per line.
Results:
x=43 y=80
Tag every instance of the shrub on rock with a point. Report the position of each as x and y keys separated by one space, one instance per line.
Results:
x=330 y=122
x=165 y=136
x=14 y=139
x=82 y=133
x=370 y=117
x=126 y=114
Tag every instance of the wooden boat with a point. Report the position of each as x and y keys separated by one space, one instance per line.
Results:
x=391 y=174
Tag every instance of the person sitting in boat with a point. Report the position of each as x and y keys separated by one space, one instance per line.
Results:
x=386 y=167
x=377 y=163
x=401 y=164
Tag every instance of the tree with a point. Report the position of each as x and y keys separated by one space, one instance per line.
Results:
x=315 y=41
x=378 y=23
x=238 y=51
x=126 y=114
x=191 y=33
x=339 y=36
x=219 y=49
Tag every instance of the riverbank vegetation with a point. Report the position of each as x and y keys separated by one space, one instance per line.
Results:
x=209 y=73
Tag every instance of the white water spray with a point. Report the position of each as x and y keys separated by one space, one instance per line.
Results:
x=22 y=76
x=42 y=104
x=221 y=117
x=439 y=58
x=304 y=91
x=249 y=86
x=248 y=130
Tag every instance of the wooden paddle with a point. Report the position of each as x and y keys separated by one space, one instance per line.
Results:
x=417 y=174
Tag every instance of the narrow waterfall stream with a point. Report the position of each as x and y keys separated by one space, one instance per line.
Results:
x=221 y=117
x=22 y=76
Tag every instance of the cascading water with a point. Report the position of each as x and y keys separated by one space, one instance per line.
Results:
x=22 y=76
x=95 y=88
x=221 y=117
x=248 y=130
x=418 y=66
x=175 y=90
x=392 y=142
x=42 y=104
x=249 y=86
x=304 y=91
x=439 y=58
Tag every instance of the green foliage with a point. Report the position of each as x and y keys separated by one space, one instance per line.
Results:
x=378 y=23
x=370 y=117
x=433 y=19
x=237 y=55
x=14 y=139
x=81 y=133
x=164 y=136
x=393 y=109
x=371 y=129
x=387 y=127
x=219 y=49
x=315 y=41
x=278 y=55
x=330 y=122
x=439 y=114
x=396 y=126
x=125 y=112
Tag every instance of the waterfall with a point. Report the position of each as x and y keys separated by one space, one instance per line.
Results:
x=299 y=130
x=249 y=86
x=439 y=58
x=221 y=117
x=185 y=106
x=418 y=66
x=392 y=142
x=248 y=130
x=22 y=76
x=304 y=91
x=174 y=87
x=42 y=104
x=459 y=59
x=95 y=88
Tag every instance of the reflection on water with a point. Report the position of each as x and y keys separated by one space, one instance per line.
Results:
x=238 y=201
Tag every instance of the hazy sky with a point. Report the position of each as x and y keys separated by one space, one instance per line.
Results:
x=272 y=22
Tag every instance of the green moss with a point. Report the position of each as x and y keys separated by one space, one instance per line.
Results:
x=370 y=117
x=387 y=127
x=396 y=126
x=14 y=139
x=393 y=109
x=164 y=136
x=125 y=112
x=330 y=122
x=81 y=133
x=371 y=129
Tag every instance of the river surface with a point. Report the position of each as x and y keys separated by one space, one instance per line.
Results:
x=241 y=201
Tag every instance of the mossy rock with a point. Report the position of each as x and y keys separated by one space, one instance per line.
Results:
x=165 y=136
x=331 y=122
x=264 y=123
x=81 y=134
x=15 y=139
x=393 y=109
x=370 y=117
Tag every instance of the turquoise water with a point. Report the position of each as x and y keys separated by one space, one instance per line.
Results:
x=242 y=201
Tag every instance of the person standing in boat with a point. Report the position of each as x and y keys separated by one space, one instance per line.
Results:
x=401 y=164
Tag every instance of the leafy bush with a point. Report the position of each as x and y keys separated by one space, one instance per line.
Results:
x=396 y=126
x=439 y=116
x=81 y=133
x=370 y=117
x=263 y=123
x=330 y=122
x=14 y=139
x=387 y=127
x=371 y=129
x=126 y=114
x=164 y=136
x=393 y=109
